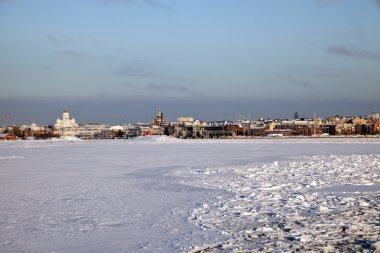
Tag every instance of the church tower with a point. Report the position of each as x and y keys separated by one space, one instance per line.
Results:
x=65 y=115
x=159 y=120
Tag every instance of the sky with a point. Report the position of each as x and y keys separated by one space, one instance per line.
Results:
x=268 y=50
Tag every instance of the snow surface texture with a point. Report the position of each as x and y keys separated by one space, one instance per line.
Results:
x=284 y=206
x=158 y=194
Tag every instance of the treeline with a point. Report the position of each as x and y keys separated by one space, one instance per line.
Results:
x=28 y=133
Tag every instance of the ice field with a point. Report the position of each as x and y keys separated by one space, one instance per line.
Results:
x=158 y=194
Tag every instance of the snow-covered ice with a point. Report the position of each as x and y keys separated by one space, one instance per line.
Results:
x=298 y=205
x=159 y=194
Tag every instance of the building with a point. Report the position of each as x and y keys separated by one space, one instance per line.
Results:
x=65 y=122
x=185 y=119
x=35 y=128
x=67 y=126
x=90 y=130
x=134 y=131
x=158 y=126
x=159 y=120
x=104 y=134
x=8 y=137
x=374 y=116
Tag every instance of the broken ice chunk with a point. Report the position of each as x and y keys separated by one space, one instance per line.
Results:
x=323 y=209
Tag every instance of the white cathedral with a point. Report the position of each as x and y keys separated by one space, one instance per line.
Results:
x=65 y=122
x=66 y=126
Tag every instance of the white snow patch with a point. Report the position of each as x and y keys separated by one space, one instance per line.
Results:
x=11 y=157
x=67 y=138
x=156 y=139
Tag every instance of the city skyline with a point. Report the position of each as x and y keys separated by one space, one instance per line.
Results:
x=243 y=126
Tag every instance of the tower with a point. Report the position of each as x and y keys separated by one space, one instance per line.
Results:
x=65 y=115
x=159 y=120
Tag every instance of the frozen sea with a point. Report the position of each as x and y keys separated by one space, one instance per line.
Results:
x=158 y=194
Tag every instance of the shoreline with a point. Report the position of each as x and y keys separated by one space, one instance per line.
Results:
x=70 y=138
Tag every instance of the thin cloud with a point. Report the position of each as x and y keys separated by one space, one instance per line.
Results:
x=152 y=3
x=326 y=2
x=134 y=70
x=117 y=1
x=166 y=88
x=301 y=83
x=127 y=84
x=158 y=5
x=103 y=94
x=323 y=3
x=60 y=40
x=354 y=53
x=329 y=75
x=47 y=67
x=71 y=53
x=329 y=1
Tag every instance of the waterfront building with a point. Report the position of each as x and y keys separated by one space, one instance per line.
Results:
x=35 y=128
x=104 y=134
x=158 y=125
x=65 y=122
x=8 y=137
x=88 y=131
x=159 y=120
x=185 y=119
x=374 y=116
x=134 y=131
x=67 y=126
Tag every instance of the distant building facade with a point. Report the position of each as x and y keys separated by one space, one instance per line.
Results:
x=158 y=126
x=159 y=120
x=188 y=127
x=67 y=126
x=8 y=137
x=65 y=122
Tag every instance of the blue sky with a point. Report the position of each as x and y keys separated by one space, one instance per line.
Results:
x=190 y=48
x=271 y=49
